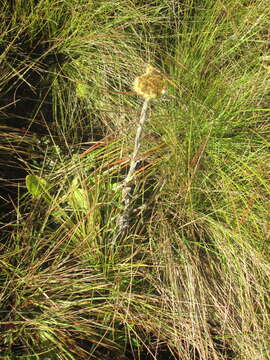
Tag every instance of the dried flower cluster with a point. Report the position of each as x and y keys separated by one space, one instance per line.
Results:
x=150 y=85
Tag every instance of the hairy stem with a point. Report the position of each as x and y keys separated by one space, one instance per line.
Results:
x=126 y=187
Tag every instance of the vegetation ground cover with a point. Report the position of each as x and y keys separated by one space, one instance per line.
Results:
x=190 y=279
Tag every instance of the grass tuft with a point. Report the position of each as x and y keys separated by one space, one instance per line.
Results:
x=190 y=278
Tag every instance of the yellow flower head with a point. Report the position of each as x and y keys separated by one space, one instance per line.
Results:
x=151 y=84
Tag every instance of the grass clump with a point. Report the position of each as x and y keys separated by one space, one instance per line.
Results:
x=190 y=277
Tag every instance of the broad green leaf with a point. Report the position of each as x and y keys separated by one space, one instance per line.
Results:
x=78 y=199
x=36 y=186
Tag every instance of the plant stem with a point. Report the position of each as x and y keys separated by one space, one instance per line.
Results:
x=126 y=187
x=137 y=143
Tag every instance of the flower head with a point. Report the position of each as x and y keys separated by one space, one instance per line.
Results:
x=151 y=84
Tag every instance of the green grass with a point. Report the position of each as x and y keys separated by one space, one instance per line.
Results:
x=190 y=280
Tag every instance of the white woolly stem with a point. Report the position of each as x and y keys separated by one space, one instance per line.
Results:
x=137 y=142
x=126 y=188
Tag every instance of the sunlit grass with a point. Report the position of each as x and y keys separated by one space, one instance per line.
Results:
x=192 y=275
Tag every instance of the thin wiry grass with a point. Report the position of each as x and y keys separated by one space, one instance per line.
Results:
x=194 y=270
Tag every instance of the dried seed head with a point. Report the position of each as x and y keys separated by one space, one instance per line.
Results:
x=151 y=84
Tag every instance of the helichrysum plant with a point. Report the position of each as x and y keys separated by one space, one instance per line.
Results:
x=149 y=85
